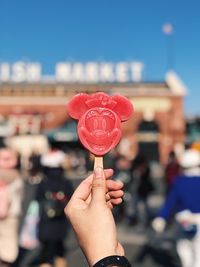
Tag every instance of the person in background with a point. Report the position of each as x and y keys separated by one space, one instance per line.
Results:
x=141 y=187
x=11 y=194
x=52 y=195
x=122 y=172
x=172 y=170
x=184 y=200
x=35 y=167
x=89 y=211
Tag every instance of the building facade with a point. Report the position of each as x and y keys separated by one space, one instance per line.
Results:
x=157 y=127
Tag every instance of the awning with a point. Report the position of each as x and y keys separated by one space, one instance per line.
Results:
x=66 y=133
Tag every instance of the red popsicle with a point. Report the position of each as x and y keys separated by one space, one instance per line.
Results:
x=100 y=117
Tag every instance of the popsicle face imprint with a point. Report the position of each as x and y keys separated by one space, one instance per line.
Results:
x=100 y=116
x=99 y=130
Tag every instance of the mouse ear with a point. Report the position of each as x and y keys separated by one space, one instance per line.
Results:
x=123 y=107
x=76 y=107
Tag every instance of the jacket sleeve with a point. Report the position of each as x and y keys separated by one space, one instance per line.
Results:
x=170 y=203
x=39 y=193
x=69 y=189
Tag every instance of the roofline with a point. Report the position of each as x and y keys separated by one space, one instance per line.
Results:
x=175 y=84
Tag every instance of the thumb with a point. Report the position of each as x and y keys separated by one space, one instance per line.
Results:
x=99 y=185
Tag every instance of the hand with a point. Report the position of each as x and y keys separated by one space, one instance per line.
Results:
x=187 y=217
x=89 y=211
x=158 y=224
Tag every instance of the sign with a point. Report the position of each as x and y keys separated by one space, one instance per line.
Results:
x=20 y=72
x=92 y=72
x=76 y=72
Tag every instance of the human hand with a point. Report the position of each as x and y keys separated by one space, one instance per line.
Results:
x=158 y=224
x=89 y=211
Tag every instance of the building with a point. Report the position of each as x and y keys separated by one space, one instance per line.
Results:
x=193 y=130
x=157 y=127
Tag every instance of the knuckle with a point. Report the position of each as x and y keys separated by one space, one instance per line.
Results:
x=98 y=185
x=68 y=210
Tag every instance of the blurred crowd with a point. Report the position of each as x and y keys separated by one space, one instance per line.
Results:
x=32 y=200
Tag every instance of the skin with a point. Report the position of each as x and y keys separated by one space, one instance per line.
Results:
x=89 y=212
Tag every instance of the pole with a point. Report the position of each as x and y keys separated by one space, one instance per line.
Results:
x=170 y=59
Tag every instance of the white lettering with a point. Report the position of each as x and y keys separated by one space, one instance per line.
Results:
x=4 y=72
x=63 y=72
x=91 y=72
x=106 y=72
x=122 y=72
x=33 y=72
x=78 y=72
x=136 y=71
x=66 y=72
x=18 y=72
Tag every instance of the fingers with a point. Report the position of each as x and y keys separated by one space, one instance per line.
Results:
x=84 y=189
x=114 y=198
x=114 y=185
x=98 y=186
x=108 y=173
x=114 y=202
x=114 y=194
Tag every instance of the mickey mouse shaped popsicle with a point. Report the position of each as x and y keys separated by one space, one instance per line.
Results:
x=100 y=116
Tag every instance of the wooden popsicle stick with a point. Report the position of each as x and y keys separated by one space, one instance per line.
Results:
x=98 y=162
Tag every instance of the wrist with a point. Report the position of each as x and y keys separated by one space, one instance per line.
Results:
x=93 y=258
x=113 y=261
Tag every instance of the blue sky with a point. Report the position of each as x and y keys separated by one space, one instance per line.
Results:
x=50 y=31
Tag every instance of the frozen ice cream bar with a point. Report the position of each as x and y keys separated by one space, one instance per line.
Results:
x=99 y=119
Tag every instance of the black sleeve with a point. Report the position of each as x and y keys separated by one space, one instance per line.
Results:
x=39 y=193
x=69 y=188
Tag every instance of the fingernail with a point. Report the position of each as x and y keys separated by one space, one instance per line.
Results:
x=98 y=172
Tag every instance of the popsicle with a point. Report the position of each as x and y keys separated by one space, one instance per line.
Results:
x=99 y=121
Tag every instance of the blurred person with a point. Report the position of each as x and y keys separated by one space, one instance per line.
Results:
x=89 y=211
x=52 y=195
x=122 y=168
x=122 y=172
x=74 y=160
x=81 y=168
x=184 y=200
x=172 y=170
x=89 y=161
x=142 y=187
x=11 y=193
x=35 y=167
